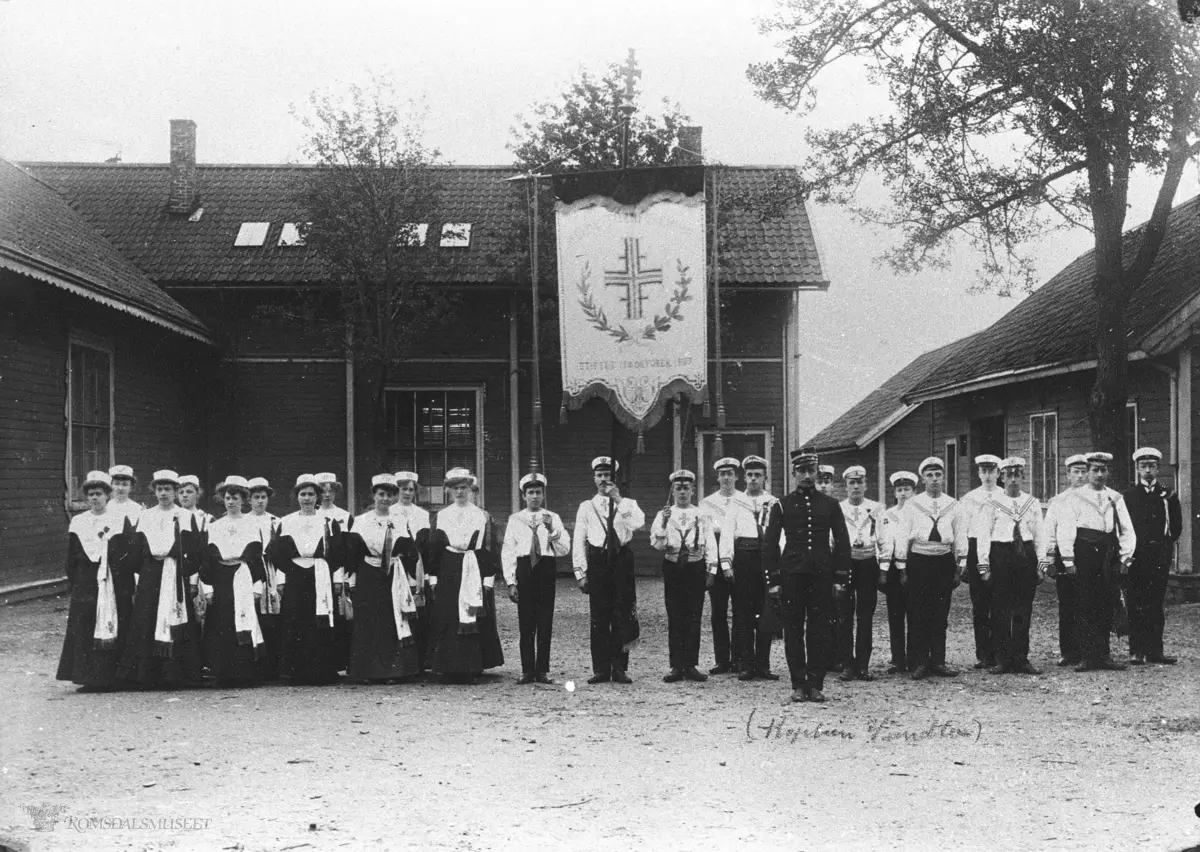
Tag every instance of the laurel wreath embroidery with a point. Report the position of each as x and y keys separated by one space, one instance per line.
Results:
x=672 y=311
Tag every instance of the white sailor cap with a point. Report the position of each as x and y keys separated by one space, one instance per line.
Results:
x=1099 y=458
x=605 y=463
x=987 y=459
x=854 y=470
x=97 y=477
x=754 y=463
x=459 y=475
x=385 y=481
x=1146 y=453
x=1078 y=458
x=189 y=479
x=1011 y=462
x=532 y=480
x=238 y=482
x=121 y=471
x=683 y=476
x=306 y=480
x=903 y=476
x=323 y=478
x=406 y=476
x=930 y=462
x=165 y=477
x=825 y=470
x=259 y=483
x=729 y=462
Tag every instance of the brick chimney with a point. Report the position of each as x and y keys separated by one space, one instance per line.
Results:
x=182 y=197
x=690 y=146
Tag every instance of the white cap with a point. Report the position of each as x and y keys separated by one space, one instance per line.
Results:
x=121 y=470
x=988 y=458
x=1078 y=458
x=233 y=482
x=931 y=461
x=456 y=475
x=406 y=476
x=96 y=477
x=306 y=479
x=606 y=463
x=189 y=479
x=259 y=483
x=384 y=480
x=854 y=470
x=533 y=479
x=726 y=462
x=1099 y=458
x=754 y=463
x=825 y=469
x=323 y=478
x=904 y=476
x=169 y=477
x=683 y=476
x=1146 y=453
x=1012 y=461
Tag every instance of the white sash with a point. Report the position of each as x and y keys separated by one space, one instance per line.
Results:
x=324 y=588
x=404 y=606
x=245 y=619
x=470 y=588
x=172 y=612
x=105 y=634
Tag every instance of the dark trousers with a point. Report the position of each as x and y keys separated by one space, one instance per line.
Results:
x=1095 y=587
x=981 y=606
x=683 y=589
x=930 y=583
x=1068 y=641
x=1014 y=583
x=719 y=597
x=752 y=644
x=807 y=601
x=612 y=598
x=897 y=615
x=856 y=614
x=535 y=612
x=1145 y=589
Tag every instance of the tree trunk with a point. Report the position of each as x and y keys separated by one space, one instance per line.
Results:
x=371 y=421
x=1110 y=391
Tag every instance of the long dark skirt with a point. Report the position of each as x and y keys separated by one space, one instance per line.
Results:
x=455 y=648
x=307 y=651
x=141 y=662
x=81 y=662
x=375 y=651
x=227 y=659
x=268 y=653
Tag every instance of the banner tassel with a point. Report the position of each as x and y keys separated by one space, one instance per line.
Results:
x=562 y=415
x=641 y=444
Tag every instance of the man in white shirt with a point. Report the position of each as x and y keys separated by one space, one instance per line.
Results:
x=603 y=561
x=1010 y=538
x=533 y=539
x=1051 y=563
x=1096 y=541
x=723 y=507
x=971 y=506
x=904 y=484
x=862 y=592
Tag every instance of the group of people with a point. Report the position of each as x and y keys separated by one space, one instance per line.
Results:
x=161 y=594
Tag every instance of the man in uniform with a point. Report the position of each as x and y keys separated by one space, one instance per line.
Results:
x=863 y=518
x=1051 y=563
x=603 y=560
x=988 y=467
x=825 y=476
x=904 y=484
x=751 y=642
x=1010 y=537
x=835 y=663
x=1096 y=540
x=931 y=539
x=722 y=508
x=1157 y=521
x=804 y=573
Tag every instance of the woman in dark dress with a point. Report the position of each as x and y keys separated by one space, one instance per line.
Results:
x=384 y=644
x=462 y=573
x=307 y=551
x=233 y=567
x=101 y=592
x=163 y=645
x=269 y=604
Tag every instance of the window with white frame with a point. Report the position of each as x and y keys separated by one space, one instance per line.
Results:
x=431 y=430
x=1043 y=455
x=89 y=411
x=737 y=443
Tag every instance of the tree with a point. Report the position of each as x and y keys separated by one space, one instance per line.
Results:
x=373 y=184
x=1010 y=118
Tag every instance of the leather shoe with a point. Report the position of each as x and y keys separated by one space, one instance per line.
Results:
x=920 y=673
x=1111 y=665
x=799 y=695
x=1068 y=661
x=816 y=696
x=619 y=676
x=1162 y=660
x=721 y=668
x=848 y=675
x=863 y=674
x=541 y=677
x=673 y=676
x=895 y=668
x=766 y=674
x=943 y=671
x=748 y=674
x=1087 y=666
x=837 y=667
x=1026 y=668
x=984 y=664
x=600 y=677
x=525 y=678
x=1000 y=669
x=694 y=674
x=1137 y=660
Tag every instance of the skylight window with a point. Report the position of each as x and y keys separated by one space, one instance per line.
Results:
x=195 y=217
x=252 y=234
x=456 y=235
x=412 y=234
x=290 y=234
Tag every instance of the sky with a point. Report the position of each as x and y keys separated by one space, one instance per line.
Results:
x=84 y=81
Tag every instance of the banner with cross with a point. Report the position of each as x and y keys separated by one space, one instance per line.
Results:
x=632 y=289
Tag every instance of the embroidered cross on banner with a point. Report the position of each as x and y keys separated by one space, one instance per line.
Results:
x=633 y=277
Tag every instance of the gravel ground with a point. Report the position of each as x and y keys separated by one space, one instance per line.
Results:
x=1060 y=761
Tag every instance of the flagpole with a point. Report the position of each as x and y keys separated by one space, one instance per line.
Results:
x=535 y=440
x=718 y=440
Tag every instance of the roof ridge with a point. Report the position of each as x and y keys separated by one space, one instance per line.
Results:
x=447 y=166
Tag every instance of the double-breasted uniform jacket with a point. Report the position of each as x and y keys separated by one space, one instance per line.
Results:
x=1156 y=514
x=817 y=539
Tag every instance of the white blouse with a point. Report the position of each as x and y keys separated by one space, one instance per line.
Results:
x=93 y=531
x=409 y=520
x=459 y=523
x=231 y=536
x=372 y=528
x=158 y=526
x=305 y=530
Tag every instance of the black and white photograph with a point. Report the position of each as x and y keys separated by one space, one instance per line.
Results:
x=600 y=426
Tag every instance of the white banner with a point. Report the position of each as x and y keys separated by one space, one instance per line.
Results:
x=632 y=302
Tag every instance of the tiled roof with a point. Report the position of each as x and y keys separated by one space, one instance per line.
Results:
x=127 y=204
x=1054 y=326
x=875 y=408
x=42 y=236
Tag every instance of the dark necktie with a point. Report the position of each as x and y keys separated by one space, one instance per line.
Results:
x=1017 y=537
x=536 y=553
x=934 y=535
x=614 y=545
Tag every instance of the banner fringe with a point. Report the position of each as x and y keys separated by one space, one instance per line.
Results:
x=680 y=387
